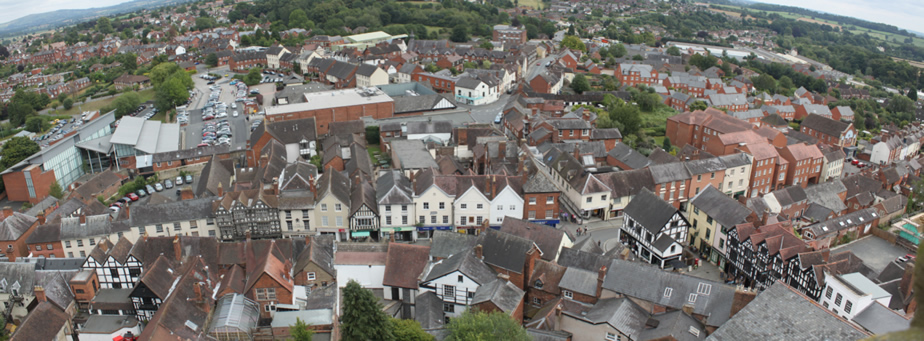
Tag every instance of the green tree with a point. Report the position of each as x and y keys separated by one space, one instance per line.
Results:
x=913 y=94
x=486 y=45
x=628 y=117
x=409 y=330
x=372 y=135
x=673 y=50
x=666 y=145
x=638 y=57
x=34 y=124
x=55 y=190
x=211 y=60
x=126 y=104
x=698 y=105
x=68 y=103
x=298 y=19
x=764 y=82
x=363 y=318
x=786 y=83
x=618 y=50
x=900 y=104
x=129 y=61
x=300 y=331
x=580 y=84
x=160 y=72
x=459 y=34
x=104 y=26
x=479 y=325
x=573 y=42
x=253 y=77
x=16 y=149
x=19 y=112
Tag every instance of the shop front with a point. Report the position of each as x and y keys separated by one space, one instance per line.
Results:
x=406 y=233
x=427 y=231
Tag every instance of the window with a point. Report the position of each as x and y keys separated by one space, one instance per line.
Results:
x=70 y=255
x=92 y=241
x=537 y=301
x=828 y=292
x=38 y=248
x=83 y=254
x=403 y=208
x=338 y=207
x=211 y=233
x=568 y=294
x=532 y=201
x=532 y=214
x=289 y=226
x=610 y=336
x=837 y=300
x=404 y=220
x=449 y=308
x=500 y=207
x=432 y=219
x=442 y=205
x=479 y=220
x=848 y=306
x=668 y=291
x=445 y=219
x=339 y=221
x=461 y=221
x=324 y=221
x=692 y=298
x=159 y=228
x=312 y=276
x=479 y=206
x=449 y=290
x=548 y=214
x=426 y=206
x=461 y=278
x=177 y=227
x=323 y=207
x=590 y=199
x=388 y=207
x=388 y=220
x=67 y=243
x=549 y=199
x=463 y=206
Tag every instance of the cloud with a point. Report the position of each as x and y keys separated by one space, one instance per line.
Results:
x=15 y=9
x=904 y=14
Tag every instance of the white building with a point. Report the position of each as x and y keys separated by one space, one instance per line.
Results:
x=370 y=75
x=455 y=279
x=847 y=295
x=396 y=205
x=475 y=92
x=506 y=203
x=471 y=207
x=434 y=197
x=366 y=268
x=273 y=54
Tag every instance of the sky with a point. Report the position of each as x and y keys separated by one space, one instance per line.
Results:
x=905 y=14
x=15 y=9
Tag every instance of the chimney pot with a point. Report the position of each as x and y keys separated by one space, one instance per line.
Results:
x=39 y=293
x=479 y=253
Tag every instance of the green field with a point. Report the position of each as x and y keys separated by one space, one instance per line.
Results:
x=537 y=4
x=146 y=95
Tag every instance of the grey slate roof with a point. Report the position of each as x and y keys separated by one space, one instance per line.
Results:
x=779 y=313
x=446 y=243
x=429 y=310
x=675 y=325
x=628 y=156
x=547 y=238
x=13 y=227
x=649 y=210
x=648 y=282
x=669 y=172
x=705 y=166
x=465 y=263
x=579 y=281
x=505 y=295
x=393 y=188
x=878 y=319
x=505 y=250
x=96 y=225
x=184 y=210
x=573 y=257
x=620 y=313
x=726 y=211
x=825 y=125
x=413 y=154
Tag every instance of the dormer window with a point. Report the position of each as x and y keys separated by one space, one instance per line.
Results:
x=538 y=284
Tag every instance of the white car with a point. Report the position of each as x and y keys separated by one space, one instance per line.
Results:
x=234 y=113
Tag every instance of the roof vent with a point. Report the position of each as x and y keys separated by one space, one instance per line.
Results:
x=192 y=325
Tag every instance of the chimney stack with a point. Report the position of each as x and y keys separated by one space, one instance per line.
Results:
x=177 y=249
x=41 y=219
x=7 y=211
x=39 y=293
x=83 y=218
x=221 y=190
x=247 y=236
x=479 y=253
x=197 y=289
x=311 y=185
x=601 y=275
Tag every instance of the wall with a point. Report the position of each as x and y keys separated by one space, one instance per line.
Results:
x=541 y=206
x=324 y=117
x=583 y=331
x=369 y=276
x=433 y=196
x=507 y=203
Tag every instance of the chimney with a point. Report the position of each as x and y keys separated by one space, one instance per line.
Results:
x=83 y=218
x=741 y=299
x=687 y=309
x=197 y=289
x=177 y=249
x=601 y=275
x=312 y=185
x=221 y=190
x=41 y=219
x=479 y=253
x=7 y=211
x=247 y=236
x=39 y=293
x=493 y=186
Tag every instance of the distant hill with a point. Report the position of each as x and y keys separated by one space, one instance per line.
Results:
x=49 y=20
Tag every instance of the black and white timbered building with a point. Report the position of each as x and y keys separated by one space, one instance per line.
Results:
x=757 y=257
x=806 y=272
x=114 y=265
x=364 y=211
x=654 y=230
x=153 y=288
x=248 y=211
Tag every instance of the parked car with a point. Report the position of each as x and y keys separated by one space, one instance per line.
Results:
x=168 y=184
x=141 y=193
x=188 y=178
x=150 y=189
x=179 y=180
x=133 y=196
x=158 y=187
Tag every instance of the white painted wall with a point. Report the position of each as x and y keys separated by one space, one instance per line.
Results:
x=507 y=203
x=369 y=276
x=470 y=200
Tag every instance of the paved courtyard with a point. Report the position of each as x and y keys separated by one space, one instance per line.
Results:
x=874 y=251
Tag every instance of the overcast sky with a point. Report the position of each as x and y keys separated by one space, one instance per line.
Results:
x=904 y=14
x=15 y=9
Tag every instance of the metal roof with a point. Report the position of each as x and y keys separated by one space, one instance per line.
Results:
x=129 y=131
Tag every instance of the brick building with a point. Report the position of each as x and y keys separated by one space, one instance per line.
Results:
x=336 y=106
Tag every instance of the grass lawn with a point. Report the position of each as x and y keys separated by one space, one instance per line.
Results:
x=656 y=119
x=537 y=4
x=146 y=95
x=373 y=149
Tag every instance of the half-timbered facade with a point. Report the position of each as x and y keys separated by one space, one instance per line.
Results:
x=115 y=267
x=760 y=256
x=249 y=211
x=654 y=230
x=364 y=211
x=153 y=288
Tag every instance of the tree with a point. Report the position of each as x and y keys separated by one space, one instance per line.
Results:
x=900 y=104
x=253 y=77
x=16 y=149
x=913 y=94
x=409 y=330
x=19 y=112
x=104 y=26
x=486 y=45
x=34 y=124
x=786 y=83
x=459 y=34
x=126 y=104
x=764 y=82
x=204 y=23
x=300 y=331
x=573 y=42
x=666 y=145
x=362 y=318
x=68 y=103
x=372 y=135
x=55 y=190
x=628 y=116
x=673 y=50
x=580 y=84
x=160 y=72
x=479 y=325
x=211 y=60
x=698 y=105
x=298 y=19
x=618 y=50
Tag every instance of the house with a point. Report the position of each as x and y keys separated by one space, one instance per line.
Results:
x=314 y=267
x=549 y=240
x=712 y=214
x=761 y=255
x=805 y=163
x=500 y=296
x=115 y=266
x=829 y=131
x=781 y=313
x=396 y=208
x=509 y=255
x=46 y=322
x=361 y=262
x=131 y=82
x=404 y=266
x=474 y=91
x=848 y=294
x=634 y=74
x=15 y=229
x=270 y=282
x=332 y=205
x=456 y=279
x=364 y=211
x=434 y=199
x=541 y=199
x=370 y=75
x=655 y=230
x=609 y=319
x=186 y=308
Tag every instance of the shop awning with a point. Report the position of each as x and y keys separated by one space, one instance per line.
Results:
x=359 y=234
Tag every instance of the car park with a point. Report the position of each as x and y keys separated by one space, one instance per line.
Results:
x=168 y=184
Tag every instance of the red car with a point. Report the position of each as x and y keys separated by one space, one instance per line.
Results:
x=855 y=162
x=133 y=196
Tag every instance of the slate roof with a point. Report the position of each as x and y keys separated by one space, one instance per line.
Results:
x=724 y=210
x=620 y=313
x=675 y=325
x=465 y=263
x=184 y=210
x=548 y=274
x=547 y=238
x=628 y=156
x=15 y=225
x=504 y=295
x=825 y=125
x=393 y=188
x=879 y=319
x=580 y=281
x=647 y=282
x=628 y=183
x=609 y=133
x=574 y=257
x=505 y=250
x=429 y=310
x=404 y=265
x=412 y=154
x=447 y=243
x=780 y=313
x=45 y=234
x=43 y=323
x=650 y=211
x=669 y=172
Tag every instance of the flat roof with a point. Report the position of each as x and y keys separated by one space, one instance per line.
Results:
x=129 y=131
x=333 y=99
x=864 y=285
x=107 y=324
x=364 y=37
